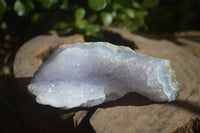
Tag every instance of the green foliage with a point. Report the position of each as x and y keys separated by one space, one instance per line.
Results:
x=2 y=6
x=78 y=16
x=47 y=3
x=106 y=18
x=97 y=5
x=64 y=5
x=150 y=3
x=19 y=8
x=23 y=8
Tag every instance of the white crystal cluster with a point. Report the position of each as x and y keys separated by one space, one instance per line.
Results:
x=88 y=74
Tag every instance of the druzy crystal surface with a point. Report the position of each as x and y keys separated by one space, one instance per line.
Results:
x=88 y=74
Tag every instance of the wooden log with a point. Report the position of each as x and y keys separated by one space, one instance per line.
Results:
x=135 y=113
x=132 y=113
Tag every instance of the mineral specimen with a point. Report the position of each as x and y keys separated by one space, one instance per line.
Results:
x=88 y=74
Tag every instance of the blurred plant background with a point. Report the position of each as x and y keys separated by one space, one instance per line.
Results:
x=21 y=20
x=87 y=16
x=68 y=16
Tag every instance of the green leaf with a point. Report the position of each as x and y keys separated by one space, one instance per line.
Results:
x=141 y=13
x=106 y=18
x=136 y=5
x=116 y=6
x=126 y=3
x=64 y=5
x=48 y=3
x=130 y=12
x=114 y=14
x=2 y=6
x=150 y=3
x=29 y=5
x=92 y=27
x=97 y=4
x=19 y=8
x=79 y=14
x=80 y=24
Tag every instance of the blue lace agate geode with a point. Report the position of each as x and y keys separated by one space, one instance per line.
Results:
x=88 y=74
